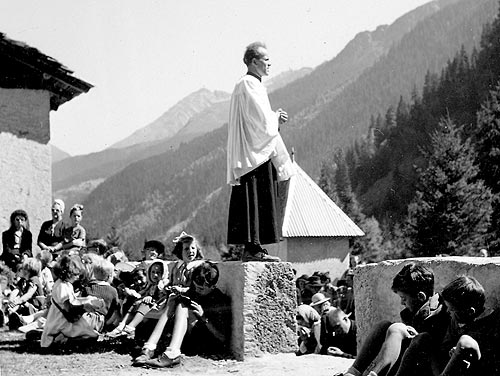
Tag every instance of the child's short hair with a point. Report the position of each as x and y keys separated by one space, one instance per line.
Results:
x=464 y=292
x=414 y=278
x=88 y=262
x=156 y=245
x=67 y=267
x=207 y=272
x=99 y=245
x=185 y=238
x=75 y=207
x=32 y=266
x=103 y=270
x=45 y=257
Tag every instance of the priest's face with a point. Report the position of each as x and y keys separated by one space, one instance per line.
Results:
x=262 y=64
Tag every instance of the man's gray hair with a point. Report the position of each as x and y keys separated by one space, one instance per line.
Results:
x=252 y=52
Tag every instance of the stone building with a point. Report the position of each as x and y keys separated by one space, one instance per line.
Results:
x=31 y=85
x=316 y=232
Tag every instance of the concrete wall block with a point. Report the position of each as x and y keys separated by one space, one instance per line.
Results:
x=269 y=307
x=375 y=300
x=263 y=303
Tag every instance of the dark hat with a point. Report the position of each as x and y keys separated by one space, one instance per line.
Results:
x=314 y=280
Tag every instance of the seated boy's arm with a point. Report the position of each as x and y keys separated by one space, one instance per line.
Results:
x=198 y=311
x=28 y=295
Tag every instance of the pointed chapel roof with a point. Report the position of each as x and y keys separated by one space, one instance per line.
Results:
x=310 y=212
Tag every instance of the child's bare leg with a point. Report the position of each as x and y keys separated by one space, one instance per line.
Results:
x=180 y=327
x=160 y=325
x=370 y=348
x=390 y=350
x=464 y=353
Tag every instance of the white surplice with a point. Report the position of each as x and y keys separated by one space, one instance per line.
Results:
x=253 y=133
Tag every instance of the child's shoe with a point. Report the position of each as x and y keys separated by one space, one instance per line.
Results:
x=164 y=361
x=146 y=354
x=129 y=332
x=116 y=332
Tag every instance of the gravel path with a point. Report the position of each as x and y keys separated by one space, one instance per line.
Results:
x=17 y=359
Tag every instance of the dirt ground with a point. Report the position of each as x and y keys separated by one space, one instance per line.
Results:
x=18 y=358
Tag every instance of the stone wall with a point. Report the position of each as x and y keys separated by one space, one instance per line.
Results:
x=375 y=300
x=25 y=156
x=263 y=304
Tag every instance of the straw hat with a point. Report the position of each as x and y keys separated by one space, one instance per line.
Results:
x=318 y=299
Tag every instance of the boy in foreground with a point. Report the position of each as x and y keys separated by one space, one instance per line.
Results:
x=386 y=343
x=470 y=344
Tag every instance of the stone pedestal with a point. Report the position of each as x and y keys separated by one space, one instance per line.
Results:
x=264 y=306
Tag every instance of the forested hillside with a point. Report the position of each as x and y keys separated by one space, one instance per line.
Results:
x=427 y=169
x=426 y=48
x=185 y=189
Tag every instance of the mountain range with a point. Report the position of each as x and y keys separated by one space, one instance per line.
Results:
x=184 y=189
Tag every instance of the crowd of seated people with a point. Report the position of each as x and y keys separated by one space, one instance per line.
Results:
x=325 y=315
x=70 y=290
x=65 y=290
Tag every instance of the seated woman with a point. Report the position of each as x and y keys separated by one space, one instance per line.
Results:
x=51 y=232
x=17 y=240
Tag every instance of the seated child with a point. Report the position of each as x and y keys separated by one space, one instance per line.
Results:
x=200 y=324
x=129 y=284
x=471 y=342
x=153 y=293
x=23 y=299
x=99 y=286
x=423 y=312
x=66 y=315
x=189 y=254
x=308 y=330
x=152 y=250
x=46 y=278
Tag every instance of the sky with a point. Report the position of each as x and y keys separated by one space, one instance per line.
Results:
x=143 y=56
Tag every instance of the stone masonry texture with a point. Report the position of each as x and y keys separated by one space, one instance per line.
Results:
x=264 y=305
x=25 y=159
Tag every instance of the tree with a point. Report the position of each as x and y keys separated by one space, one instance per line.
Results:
x=487 y=141
x=452 y=209
x=326 y=179
x=114 y=239
x=370 y=245
x=487 y=144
